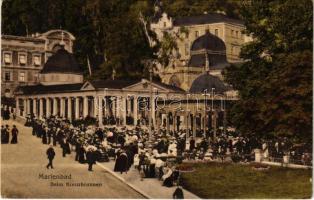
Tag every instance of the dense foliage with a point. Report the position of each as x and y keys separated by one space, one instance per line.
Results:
x=275 y=82
x=108 y=32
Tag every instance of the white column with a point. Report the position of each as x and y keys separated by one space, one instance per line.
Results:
x=24 y=107
x=153 y=112
x=100 y=111
x=55 y=106
x=135 y=106
x=85 y=106
x=95 y=106
x=118 y=108
x=114 y=107
x=28 y=106
x=17 y=107
x=106 y=106
x=41 y=108
x=35 y=107
x=48 y=107
x=70 y=108
x=62 y=107
x=124 y=101
x=129 y=106
x=77 y=107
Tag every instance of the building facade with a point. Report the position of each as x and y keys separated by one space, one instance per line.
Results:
x=23 y=57
x=213 y=29
x=122 y=102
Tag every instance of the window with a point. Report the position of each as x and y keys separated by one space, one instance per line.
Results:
x=7 y=58
x=36 y=60
x=22 y=59
x=196 y=34
x=7 y=76
x=232 y=32
x=36 y=77
x=22 y=77
x=165 y=24
x=216 y=32
x=237 y=32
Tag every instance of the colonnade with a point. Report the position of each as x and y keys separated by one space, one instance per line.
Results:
x=193 y=120
x=125 y=110
x=78 y=107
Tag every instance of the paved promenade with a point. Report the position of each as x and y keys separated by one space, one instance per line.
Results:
x=23 y=163
x=151 y=187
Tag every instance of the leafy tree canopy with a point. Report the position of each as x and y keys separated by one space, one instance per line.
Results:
x=107 y=32
x=275 y=82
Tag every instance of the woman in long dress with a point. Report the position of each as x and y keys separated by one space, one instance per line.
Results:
x=121 y=164
x=14 y=132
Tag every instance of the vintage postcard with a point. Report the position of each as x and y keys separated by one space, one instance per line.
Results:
x=156 y=99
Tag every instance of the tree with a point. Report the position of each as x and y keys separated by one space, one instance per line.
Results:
x=275 y=81
x=108 y=32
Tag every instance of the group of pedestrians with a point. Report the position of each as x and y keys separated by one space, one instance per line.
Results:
x=5 y=134
x=55 y=131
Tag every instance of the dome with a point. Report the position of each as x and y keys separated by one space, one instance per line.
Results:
x=209 y=41
x=61 y=68
x=207 y=82
x=61 y=62
x=215 y=49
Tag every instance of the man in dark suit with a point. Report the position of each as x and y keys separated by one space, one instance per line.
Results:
x=192 y=144
x=91 y=159
x=50 y=154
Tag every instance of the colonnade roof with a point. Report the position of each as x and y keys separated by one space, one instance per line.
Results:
x=128 y=85
x=46 y=89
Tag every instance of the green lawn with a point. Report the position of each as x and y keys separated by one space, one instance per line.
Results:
x=222 y=180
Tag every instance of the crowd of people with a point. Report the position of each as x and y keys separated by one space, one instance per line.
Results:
x=155 y=155
x=129 y=148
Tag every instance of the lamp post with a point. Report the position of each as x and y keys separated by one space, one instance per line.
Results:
x=155 y=112
x=187 y=125
x=150 y=100
x=105 y=104
x=225 y=116
x=213 y=98
x=213 y=114
x=188 y=114
x=205 y=94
